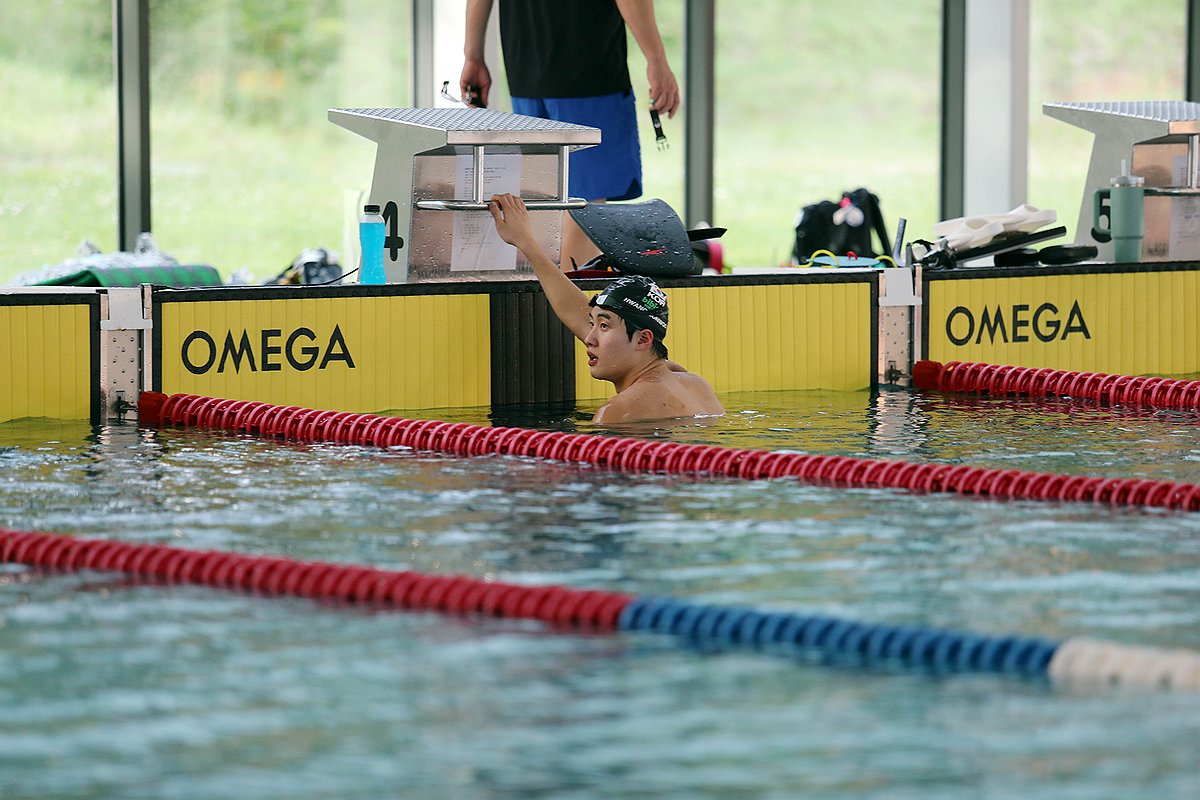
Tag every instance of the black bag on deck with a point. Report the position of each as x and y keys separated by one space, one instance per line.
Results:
x=841 y=227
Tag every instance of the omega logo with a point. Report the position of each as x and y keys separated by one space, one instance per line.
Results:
x=1044 y=323
x=301 y=351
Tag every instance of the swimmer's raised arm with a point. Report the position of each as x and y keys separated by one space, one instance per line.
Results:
x=568 y=302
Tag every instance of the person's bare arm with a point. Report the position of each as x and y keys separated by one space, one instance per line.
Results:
x=568 y=302
x=475 y=72
x=664 y=90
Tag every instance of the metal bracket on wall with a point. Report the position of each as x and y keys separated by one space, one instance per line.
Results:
x=125 y=317
x=898 y=321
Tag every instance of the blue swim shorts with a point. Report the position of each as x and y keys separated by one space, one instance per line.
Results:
x=612 y=170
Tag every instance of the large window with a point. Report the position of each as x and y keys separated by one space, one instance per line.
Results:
x=247 y=171
x=816 y=98
x=58 y=152
x=811 y=99
x=1085 y=51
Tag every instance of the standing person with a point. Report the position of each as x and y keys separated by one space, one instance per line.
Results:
x=623 y=329
x=566 y=60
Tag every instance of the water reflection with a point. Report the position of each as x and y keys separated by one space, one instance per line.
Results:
x=189 y=691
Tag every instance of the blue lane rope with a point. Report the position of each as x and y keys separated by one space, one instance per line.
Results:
x=840 y=641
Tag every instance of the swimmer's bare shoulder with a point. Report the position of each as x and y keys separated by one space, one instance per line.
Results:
x=701 y=395
x=672 y=395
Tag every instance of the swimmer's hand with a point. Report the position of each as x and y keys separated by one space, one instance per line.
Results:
x=569 y=303
x=512 y=220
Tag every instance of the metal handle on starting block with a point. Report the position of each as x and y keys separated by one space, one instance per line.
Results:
x=479 y=203
x=471 y=205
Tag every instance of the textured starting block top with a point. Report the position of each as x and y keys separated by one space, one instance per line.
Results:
x=474 y=126
x=1178 y=116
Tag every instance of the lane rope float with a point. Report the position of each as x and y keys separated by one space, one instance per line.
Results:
x=642 y=455
x=818 y=638
x=1003 y=380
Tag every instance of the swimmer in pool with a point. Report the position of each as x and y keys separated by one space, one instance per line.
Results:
x=622 y=329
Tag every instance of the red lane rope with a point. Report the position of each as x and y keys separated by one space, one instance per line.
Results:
x=1003 y=380
x=638 y=455
x=345 y=583
x=839 y=642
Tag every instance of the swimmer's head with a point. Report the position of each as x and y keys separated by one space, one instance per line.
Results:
x=640 y=303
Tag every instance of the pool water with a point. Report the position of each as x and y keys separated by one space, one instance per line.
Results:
x=111 y=687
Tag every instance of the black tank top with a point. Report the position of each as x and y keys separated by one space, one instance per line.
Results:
x=563 y=48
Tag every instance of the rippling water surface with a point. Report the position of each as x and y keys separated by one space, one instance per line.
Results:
x=113 y=688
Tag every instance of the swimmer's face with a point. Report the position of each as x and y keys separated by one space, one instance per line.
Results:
x=611 y=355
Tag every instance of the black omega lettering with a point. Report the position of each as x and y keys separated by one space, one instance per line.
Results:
x=1019 y=321
x=1050 y=331
x=238 y=351
x=963 y=312
x=309 y=352
x=1075 y=322
x=991 y=324
x=341 y=354
x=192 y=367
x=268 y=350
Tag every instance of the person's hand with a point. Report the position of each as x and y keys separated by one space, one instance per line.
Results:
x=512 y=220
x=664 y=90
x=475 y=75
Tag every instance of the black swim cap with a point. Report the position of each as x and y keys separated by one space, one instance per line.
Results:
x=638 y=301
